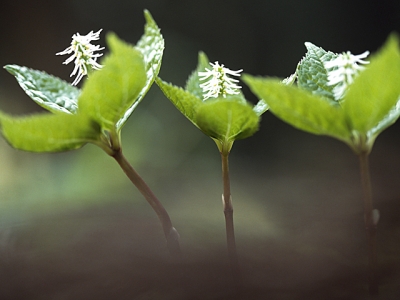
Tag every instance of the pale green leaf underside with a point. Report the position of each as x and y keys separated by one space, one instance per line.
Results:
x=389 y=119
x=48 y=132
x=48 y=91
x=261 y=107
x=371 y=103
x=151 y=45
x=227 y=120
x=311 y=73
x=184 y=101
x=110 y=92
x=300 y=108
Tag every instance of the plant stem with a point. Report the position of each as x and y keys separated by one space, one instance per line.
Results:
x=370 y=224
x=171 y=234
x=228 y=211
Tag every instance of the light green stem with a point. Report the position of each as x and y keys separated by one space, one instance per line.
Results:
x=370 y=224
x=228 y=211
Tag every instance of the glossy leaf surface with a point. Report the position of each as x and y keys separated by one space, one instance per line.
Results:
x=311 y=73
x=151 y=45
x=50 y=92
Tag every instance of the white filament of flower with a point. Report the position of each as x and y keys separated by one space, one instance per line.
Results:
x=219 y=84
x=342 y=71
x=83 y=54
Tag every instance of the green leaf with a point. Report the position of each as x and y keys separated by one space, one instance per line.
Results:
x=184 y=101
x=311 y=73
x=193 y=82
x=110 y=92
x=300 y=108
x=222 y=119
x=48 y=91
x=371 y=102
x=227 y=120
x=261 y=107
x=48 y=132
x=151 y=45
x=389 y=119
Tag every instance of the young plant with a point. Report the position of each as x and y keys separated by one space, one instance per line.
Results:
x=212 y=101
x=347 y=98
x=97 y=113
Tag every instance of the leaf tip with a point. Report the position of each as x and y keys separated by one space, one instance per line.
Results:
x=202 y=55
x=202 y=59
x=11 y=69
x=393 y=40
x=111 y=37
x=115 y=43
x=310 y=46
x=246 y=77
x=148 y=17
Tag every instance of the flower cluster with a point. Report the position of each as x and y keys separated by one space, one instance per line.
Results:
x=83 y=54
x=219 y=84
x=342 y=70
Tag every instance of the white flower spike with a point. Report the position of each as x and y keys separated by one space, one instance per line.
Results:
x=219 y=84
x=83 y=54
x=342 y=70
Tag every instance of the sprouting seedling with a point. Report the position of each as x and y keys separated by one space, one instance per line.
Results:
x=83 y=54
x=213 y=102
x=97 y=113
x=345 y=97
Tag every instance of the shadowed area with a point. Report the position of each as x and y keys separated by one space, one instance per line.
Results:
x=299 y=236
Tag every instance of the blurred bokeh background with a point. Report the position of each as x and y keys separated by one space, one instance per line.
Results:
x=65 y=218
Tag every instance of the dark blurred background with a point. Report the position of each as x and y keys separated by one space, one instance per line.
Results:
x=73 y=227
